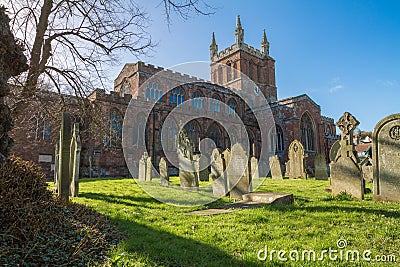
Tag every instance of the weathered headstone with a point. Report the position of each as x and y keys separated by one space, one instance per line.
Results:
x=334 y=151
x=295 y=167
x=219 y=183
x=203 y=166
x=368 y=173
x=226 y=156
x=56 y=166
x=345 y=171
x=149 y=167
x=164 y=177
x=63 y=170
x=75 y=156
x=187 y=172
x=254 y=173
x=237 y=172
x=321 y=172
x=386 y=159
x=142 y=167
x=275 y=167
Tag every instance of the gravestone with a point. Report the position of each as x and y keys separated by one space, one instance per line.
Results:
x=149 y=167
x=187 y=172
x=75 y=156
x=368 y=173
x=254 y=173
x=219 y=183
x=56 y=166
x=237 y=172
x=295 y=167
x=226 y=156
x=275 y=167
x=203 y=166
x=321 y=172
x=164 y=177
x=65 y=143
x=386 y=159
x=345 y=170
x=142 y=167
x=334 y=151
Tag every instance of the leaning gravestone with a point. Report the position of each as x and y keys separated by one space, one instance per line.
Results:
x=345 y=171
x=254 y=173
x=142 y=167
x=237 y=172
x=164 y=177
x=149 y=167
x=187 y=172
x=295 y=167
x=275 y=167
x=386 y=159
x=219 y=184
x=321 y=172
x=75 y=155
x=63 y=170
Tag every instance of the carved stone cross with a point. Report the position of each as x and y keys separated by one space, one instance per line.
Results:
x=347 y=123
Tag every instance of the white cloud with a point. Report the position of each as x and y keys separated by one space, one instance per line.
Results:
x=387 y=83
x=335 y=88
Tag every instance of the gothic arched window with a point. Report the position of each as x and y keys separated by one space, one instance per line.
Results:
x=198 y=100
x=169 y=132
x=307 y=132
x=138 y=129
x=193 y=131
x=215 y=104
x=40 y=127
x=232 y=107
x=153 y=91
x=176 y=96
x=113 y=134
x=214 y=133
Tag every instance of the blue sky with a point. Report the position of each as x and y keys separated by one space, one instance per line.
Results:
x=343 y=54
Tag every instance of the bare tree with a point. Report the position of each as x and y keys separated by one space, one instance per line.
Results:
x=70 y=42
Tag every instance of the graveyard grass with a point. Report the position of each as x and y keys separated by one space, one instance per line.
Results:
x=157 y=234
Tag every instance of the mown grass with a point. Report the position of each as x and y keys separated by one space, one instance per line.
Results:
x=158 y=234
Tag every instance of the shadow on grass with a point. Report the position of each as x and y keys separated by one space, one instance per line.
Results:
x=96 y=179
x=126 y=200
x=333 y=208
x=165 y=249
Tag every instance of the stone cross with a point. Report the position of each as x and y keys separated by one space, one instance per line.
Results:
x=75 y=155
x=63 y=170
x=345 y=171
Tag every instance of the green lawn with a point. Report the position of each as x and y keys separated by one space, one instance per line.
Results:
x=159 y=234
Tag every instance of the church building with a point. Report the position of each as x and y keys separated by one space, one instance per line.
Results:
x=296 y=117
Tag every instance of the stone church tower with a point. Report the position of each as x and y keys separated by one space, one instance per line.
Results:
x=257 y=64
